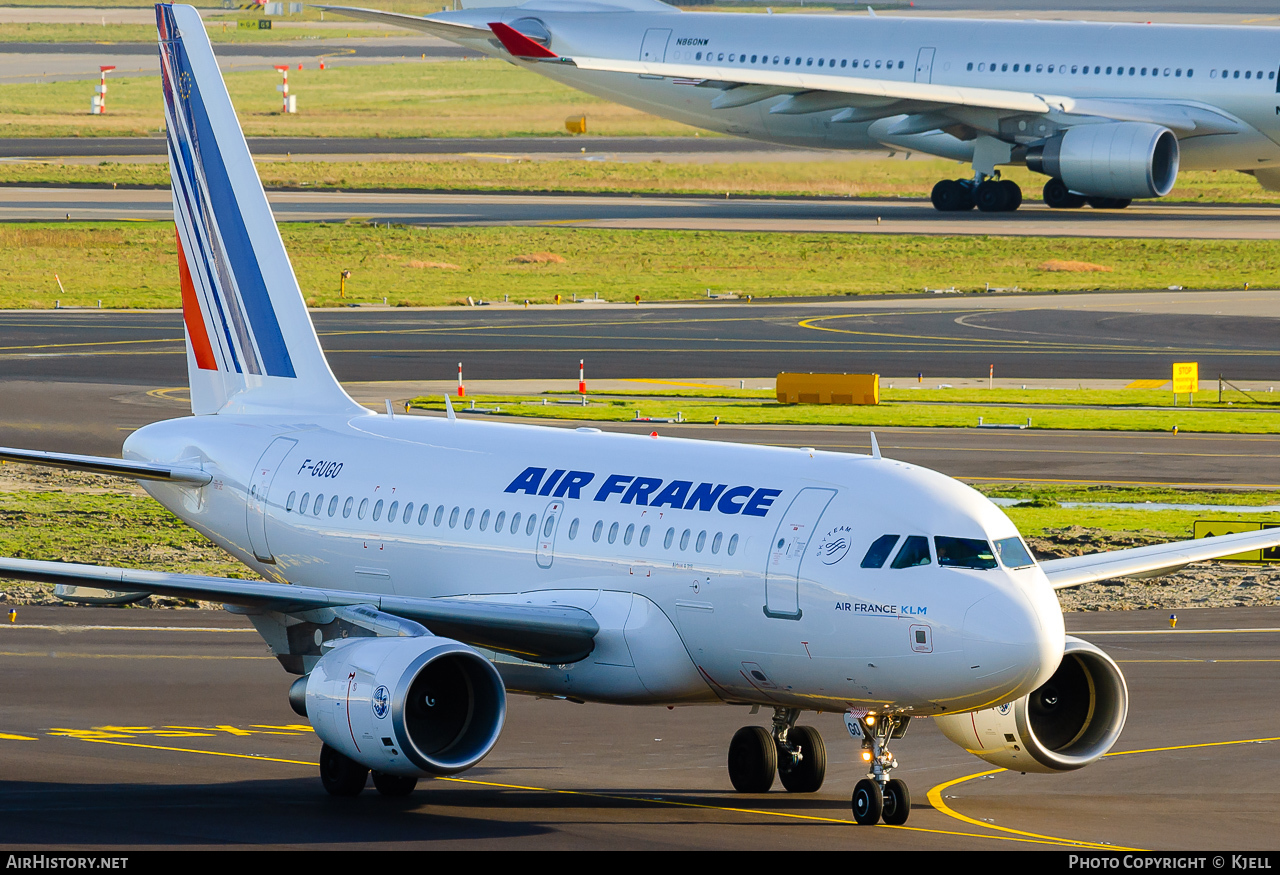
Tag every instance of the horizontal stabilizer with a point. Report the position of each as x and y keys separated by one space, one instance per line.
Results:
x=537 y=633
x=1154 y=560
x=103 y=465
x=445 y=29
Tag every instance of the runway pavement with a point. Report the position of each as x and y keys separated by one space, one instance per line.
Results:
x=791 y=215
x=170 y=729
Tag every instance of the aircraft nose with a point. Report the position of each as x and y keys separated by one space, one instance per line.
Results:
x=1012 y=641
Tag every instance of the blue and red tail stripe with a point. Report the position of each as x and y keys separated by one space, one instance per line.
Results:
x=227 y=292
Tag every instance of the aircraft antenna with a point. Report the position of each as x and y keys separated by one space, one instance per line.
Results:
x=875 y=446
x=448 y=409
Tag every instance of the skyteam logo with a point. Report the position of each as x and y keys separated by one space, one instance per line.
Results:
x=834 y=545
x=381 y=702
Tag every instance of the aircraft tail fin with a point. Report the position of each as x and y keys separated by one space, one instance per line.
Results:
x=251 y=346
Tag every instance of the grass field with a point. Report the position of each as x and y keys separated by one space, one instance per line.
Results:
x=132 y=264
x=481 y=98
x=882 y=415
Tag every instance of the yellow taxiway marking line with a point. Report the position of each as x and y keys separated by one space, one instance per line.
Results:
x=935 y=799
x=1176 y=632
x=676 y=383
x=64 y=654
x=59 y=627
x=935 y=793
x=1028 y=838
x=5 y=736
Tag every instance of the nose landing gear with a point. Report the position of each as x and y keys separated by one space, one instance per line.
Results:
x=876 y=796
x=797 y=754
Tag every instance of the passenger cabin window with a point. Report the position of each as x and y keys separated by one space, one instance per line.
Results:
x=964 y=553
x=879 y=552
x=1013 y=553
x=914 y=552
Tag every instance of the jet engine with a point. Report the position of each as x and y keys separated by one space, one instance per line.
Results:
x=407 y=706
x=1113 y=160
x=1066 y=724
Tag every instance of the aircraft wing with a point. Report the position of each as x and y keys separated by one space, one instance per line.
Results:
x=925 y=104
x=538 y=633
x=104 y=465
x=1154 y=560
x=446 y=30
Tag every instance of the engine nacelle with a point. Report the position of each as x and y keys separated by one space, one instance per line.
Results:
x=407 y=706
x=1116 y=160
x=1066 y=724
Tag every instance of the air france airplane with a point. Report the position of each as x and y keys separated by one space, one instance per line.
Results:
x=1108 y=112
x=416 y=569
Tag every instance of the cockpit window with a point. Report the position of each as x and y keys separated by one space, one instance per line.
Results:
x=914 y=552
x=879 y=551
x=964 y=553
x=1013 y=553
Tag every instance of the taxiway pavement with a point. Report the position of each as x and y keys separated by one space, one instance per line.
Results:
x=170 y=729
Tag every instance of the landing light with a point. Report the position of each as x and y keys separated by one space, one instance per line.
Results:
x=866 y=756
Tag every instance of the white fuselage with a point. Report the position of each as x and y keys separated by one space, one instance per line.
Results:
x=717 y=572
x=1231 y=69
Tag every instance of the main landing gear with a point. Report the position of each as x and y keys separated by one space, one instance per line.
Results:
x=794 y=753
x=877 y=797
x=1057 y=196
x=991 y=195
x=343 y=776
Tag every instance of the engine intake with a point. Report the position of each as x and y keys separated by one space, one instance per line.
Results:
x=1066 y=724
x=407 y=706
x=1116 y=160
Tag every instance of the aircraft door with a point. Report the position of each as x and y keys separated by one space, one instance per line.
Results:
x=259 y=487
x=654 y=47
x=924 y=65
x=547 y=533
x=786 y=552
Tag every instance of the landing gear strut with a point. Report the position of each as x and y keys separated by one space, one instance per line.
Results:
x=795 y=753
x=989 y=194
x=877 y=796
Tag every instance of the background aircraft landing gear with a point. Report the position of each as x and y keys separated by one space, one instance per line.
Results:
x=1058 y=197
x=952 y=195
x=795 y=753
x=876 y=796
x=991 y=195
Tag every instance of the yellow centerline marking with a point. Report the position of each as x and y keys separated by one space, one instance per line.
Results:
x=935 y=793
x=1174 y=632
x=65 y=654
x=1029 y=838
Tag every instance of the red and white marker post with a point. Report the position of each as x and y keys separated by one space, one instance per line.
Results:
x=287 y=104
x=99 y=104
x=582 y=380
x=462 y=391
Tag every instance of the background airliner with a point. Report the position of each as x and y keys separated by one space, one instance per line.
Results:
x=1109 y=112
x=416 y=569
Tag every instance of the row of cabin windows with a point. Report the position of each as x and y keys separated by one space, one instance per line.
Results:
x=1085 y=70
x=405 y=514
x=789 y=61
x=1099 y=70
x=395 y=512
x=687 y=536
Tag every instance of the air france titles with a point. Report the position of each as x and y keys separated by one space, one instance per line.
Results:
x=648 y=491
